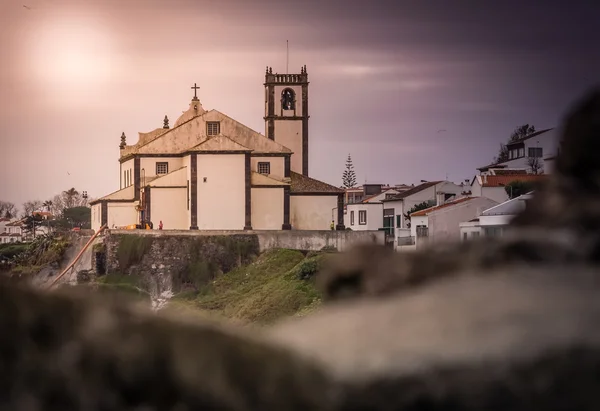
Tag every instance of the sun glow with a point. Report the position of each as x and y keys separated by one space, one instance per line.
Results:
x=71 y=54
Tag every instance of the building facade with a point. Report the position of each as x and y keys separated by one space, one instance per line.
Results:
x=210 y=172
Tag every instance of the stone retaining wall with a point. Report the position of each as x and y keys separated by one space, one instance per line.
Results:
x=293 y=239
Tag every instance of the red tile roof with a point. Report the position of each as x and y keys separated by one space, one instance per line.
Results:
x=500 y=181
x=423 y=213
x=509 y=172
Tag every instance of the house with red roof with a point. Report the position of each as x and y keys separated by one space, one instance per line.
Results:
x=442 y=223
x=493 y=186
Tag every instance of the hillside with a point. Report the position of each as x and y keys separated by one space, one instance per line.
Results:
x=275 y=284
x=279 y=283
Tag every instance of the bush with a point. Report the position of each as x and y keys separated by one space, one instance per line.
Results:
x=308 y=269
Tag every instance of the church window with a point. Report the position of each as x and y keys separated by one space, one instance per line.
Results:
x=264 y=167
x=362 y=217
x=162 y=168
x=213 y=128
x=288 y=99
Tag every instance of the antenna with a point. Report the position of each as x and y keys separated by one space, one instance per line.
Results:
x=287 y=56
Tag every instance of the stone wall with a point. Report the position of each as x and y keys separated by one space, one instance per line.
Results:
x=172 y=263
x=294 y=239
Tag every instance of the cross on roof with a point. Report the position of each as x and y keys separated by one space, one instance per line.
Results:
x=195 y=88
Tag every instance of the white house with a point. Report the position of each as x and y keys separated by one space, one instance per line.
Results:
x=538 y=145
x=210 y=172
x=10 y=231
x=442 y=223
x=364 y=216
x=493 y=221
x=494 y=186
x=433 y=192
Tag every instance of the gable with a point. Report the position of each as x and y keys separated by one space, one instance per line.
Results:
x=193 y=132
x=219 y=143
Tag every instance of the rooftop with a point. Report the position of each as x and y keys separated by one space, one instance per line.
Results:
x=503 y=180
x=527 y=137
x=413 y=190
x=303 y=184
x=510 y=207
x=422 y=213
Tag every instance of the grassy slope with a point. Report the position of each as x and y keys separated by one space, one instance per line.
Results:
x=260 y=293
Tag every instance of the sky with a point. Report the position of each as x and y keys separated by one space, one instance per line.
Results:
x=412 y=90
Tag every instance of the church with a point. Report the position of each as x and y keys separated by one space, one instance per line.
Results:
x=210 y=172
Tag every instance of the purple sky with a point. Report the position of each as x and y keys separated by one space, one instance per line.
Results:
x=385 y=77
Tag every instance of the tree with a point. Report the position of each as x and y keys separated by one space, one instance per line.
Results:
x=78 y=216
x=7 y=209
x=517 y=188
x=349 y=176
x=535 y=165
x=30 y=206
x=32 y=221
x=70 y=197
x=417 y=207
x=67 y=199
x=517 y=134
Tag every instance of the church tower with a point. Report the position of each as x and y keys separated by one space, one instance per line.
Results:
x=286 y=114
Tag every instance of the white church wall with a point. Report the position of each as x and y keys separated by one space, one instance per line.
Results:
x=267 y=208
x=277 y=165
x=148 y=165
x=221 y=197
x=175 y=178
x=121 y=214
x=169 y=206
x=289 y=133
x=312 y=212
x=126 y=178
x=188 y=175
x=96 y=216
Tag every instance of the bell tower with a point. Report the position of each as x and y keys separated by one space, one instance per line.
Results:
x=286 y=114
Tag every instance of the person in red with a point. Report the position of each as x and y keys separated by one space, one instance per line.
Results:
x=160 y=225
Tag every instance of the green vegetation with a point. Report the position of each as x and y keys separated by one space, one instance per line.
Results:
x=43 y=251
x=215 y=255
x=277 y=284
x=126 y=285
x=11 y=250
x=132 y=249
x=517 y=188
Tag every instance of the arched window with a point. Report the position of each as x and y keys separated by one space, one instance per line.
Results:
x=288 y=99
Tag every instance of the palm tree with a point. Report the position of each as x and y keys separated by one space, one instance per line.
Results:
x=70 y=194
x=48 y=205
